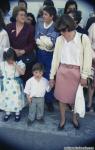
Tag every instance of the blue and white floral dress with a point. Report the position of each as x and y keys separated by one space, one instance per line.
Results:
x=12 y=98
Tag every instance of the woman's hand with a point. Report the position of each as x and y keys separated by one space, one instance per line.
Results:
x=19 y=52
x=22 y=52
x=51 y=83
x=83 y=82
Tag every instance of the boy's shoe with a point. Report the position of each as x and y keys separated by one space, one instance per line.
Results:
x=17 y=118
x=6 y=117
x=29 y=122
x=40 y=120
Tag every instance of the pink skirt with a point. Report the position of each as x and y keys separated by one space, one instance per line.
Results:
x=67 y=81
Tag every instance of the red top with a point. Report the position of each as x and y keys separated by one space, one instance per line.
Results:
x=24 y=40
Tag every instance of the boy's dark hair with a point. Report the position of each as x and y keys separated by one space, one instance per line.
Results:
x=38 y=67
x=51 y=11
x=10 y=54
x=65 y=23
x=68 y=3
x=48 y=3
x=77 y=15
x=23 y=1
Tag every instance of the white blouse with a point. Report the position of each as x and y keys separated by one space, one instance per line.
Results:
x=71 y=51
x=4 y=42
x=36 y=88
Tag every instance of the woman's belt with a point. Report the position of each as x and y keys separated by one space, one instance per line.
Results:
x=71 y=66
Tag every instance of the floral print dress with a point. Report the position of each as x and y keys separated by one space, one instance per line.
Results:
x=12 y=98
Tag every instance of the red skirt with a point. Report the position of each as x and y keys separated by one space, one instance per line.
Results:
x=67 y=81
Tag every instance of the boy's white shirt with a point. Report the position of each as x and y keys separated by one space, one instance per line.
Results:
x=36 y=88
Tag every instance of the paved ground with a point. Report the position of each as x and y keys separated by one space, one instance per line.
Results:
x=45 y=136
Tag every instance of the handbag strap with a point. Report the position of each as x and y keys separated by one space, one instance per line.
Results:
x=81 y=38
x=82 y=45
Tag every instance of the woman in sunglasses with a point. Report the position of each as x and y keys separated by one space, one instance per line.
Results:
x=71 y=64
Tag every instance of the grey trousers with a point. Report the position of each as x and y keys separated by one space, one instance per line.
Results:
x=36 y=108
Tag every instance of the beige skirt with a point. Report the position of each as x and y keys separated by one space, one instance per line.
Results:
x=67 y=81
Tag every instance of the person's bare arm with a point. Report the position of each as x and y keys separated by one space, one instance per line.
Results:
x=29 y=99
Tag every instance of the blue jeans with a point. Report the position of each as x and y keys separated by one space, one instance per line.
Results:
x=45 y=58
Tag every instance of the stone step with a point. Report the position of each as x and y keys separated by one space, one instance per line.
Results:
x=46 y=136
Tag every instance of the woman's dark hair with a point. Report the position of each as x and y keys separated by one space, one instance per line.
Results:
x=40 y=13
x=68 y=4
x=2 y=24
x=65 y=23
x=38 y=67
x=10 y=54
x=51 y=11
x=23 y=1
x=90 y=21
x=18 y=9
x=48 y=3
x=5 y=6
x=33 y=18
x=77 y=15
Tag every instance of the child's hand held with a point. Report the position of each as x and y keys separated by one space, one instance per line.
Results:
x=52 y=83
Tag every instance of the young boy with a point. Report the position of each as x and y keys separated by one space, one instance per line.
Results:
x=35 y=90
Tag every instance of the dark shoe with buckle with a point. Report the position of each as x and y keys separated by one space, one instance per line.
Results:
x=40 y=120
x=17 y=118
x=61 y=127
x=29 y=122
x=6 y=117
x=76 y=126
x=75 y=121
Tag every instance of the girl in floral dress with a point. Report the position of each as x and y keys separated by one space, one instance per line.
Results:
x=11 y=87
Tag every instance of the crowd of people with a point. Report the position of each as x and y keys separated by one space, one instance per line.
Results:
x=46 y=59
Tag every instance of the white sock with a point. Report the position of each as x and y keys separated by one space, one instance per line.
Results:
x=17 y=113
x=8 y=113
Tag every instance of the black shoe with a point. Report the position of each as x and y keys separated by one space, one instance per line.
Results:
x=7 y=117
x=76 y=126
x=60 y=128
x=17 y=118
x=88 y=109
x=40 y=120
x=29 y=122
x=50 y=107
